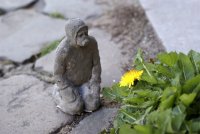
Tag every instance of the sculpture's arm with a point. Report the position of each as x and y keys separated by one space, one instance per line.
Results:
x=60 y=66
x=96 y=70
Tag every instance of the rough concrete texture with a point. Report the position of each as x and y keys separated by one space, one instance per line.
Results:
x=176 y=22
x=46 y=63
x=8 y=5
x=111 y=57
x=27 y=107
x=96 y=122
x=110 y=54
x=73 y=8
x=24 y=33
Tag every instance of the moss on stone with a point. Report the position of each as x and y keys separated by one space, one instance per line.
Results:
x=57 y=15
x=49 y=48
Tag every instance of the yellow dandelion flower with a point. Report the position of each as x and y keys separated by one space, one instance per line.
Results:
x=129 y=77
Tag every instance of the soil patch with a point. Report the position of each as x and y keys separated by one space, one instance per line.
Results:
x=131 y=29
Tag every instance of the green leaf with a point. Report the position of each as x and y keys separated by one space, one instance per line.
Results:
x=186 y=66
x=197 y=89
x=116 y=92
x=169 y=59
x=112 y=131
x=141 y=120
x=168 y=103
x=148 y=77
x=118 y=120
x=139 y=106
x=168 y=98
x=160 y=120
x=147 y=67
x=103 y=132
x=191 y=84
x=168 y=92
x=194 y=126
x=134 y=100
x=107 y=93
x=139 y=57
x=142 y=92
x=165 y=71
x=187 y=99
x=195 y=58
x=178 y=117
x=176 y=80
x=141 y=129
x=127 y=129
x=129 y=115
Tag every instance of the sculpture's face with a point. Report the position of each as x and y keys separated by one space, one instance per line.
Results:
x=82 y=38
x=77 y=32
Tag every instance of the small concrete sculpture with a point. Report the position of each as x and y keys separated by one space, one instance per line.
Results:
x=77 y=70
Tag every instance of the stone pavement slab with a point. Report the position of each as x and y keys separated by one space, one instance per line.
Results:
x=27 y=107
x=46 y=63
x=24 y=33
x=73 y=8
x=7 y=5
x=96 y=122
x=176 y=22
x=110 y=54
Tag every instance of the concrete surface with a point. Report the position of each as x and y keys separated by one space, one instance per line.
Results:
x=83 y=9
x=177 y=23
x=27 y=107
x=24 y=33
x=96 y=122
x=8 y=5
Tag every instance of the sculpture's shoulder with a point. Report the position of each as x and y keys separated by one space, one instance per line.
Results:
x=63 y=48
x=93 y=42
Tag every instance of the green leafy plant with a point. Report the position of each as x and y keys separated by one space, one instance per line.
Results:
x=166 y=99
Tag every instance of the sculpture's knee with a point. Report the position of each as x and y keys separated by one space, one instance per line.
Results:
x=91 y=102
x=70 y=101
x=91 y=97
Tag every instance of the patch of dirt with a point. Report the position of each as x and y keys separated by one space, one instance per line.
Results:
x=109 y=104
x=131 y=29
x=6 y=66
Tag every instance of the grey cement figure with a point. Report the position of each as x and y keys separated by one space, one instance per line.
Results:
x=77 y=70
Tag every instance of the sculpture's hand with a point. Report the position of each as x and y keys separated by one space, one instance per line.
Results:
x=69 y=94
x=63 y=84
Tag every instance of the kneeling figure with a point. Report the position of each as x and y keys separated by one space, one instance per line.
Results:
x=77 y=70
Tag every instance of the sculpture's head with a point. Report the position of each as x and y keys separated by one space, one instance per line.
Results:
x=77 y=32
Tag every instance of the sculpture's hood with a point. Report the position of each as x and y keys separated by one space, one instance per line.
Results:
x=72 y=27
